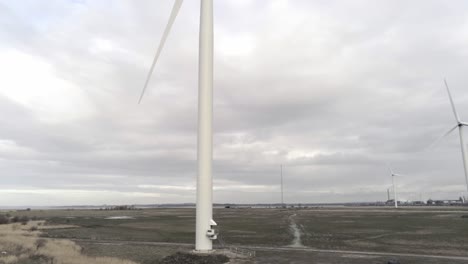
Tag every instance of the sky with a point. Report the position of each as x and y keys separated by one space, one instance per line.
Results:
x=332 y=90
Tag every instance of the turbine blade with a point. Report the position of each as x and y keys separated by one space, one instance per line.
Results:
x=389 y=168
x=451 y=101
x=440 y=138
x=174 y=12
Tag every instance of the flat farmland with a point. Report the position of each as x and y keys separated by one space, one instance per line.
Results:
x=307 y=235
x=409 y=231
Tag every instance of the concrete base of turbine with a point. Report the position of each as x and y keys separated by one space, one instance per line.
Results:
x=203 y=252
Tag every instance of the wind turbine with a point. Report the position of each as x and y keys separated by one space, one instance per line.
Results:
x=394 y=186
x=204 y=213
x=460 y=124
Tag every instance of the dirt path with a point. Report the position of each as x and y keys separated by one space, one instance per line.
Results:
x=296 y=232
x=288 y=248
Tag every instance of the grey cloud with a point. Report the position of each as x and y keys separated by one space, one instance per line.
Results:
x=351 y=86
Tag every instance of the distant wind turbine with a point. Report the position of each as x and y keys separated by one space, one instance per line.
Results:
x=395 y=198
x=460 y=124
x=204 y=213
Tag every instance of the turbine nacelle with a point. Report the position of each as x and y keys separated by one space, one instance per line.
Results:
x=393 y=174
x=460 y=124
x=455 y=113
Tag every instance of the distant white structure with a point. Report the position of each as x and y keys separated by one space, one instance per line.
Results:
x=205 y=232
x=395 y=197
x=460 y=124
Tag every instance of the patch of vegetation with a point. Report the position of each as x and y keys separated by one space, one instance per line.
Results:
x=183 y=258
x=38 y=258
x=21 y=245
x=40 y=243
x=4 y=220
x=140 y=253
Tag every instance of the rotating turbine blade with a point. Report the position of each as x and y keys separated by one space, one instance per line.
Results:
x=440 y=138
x=451 y=101
x=174 y=12
x=390 y=169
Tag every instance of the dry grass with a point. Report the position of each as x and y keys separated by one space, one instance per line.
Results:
x=22 y=243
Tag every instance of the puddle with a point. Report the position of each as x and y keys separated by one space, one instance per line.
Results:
x=119 y=217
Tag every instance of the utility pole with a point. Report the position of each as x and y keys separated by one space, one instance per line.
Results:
x=282 y=197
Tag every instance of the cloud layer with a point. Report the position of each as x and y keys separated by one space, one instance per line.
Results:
x=332 y=90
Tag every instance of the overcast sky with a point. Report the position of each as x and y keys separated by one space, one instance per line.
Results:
x=332 y=90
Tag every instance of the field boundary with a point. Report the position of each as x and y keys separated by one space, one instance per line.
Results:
x=285 y=248
x=242 y=251
x=369 y=253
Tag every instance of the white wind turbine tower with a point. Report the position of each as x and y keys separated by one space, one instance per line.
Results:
x=204 y=213
x=460 y=124
x=395 y=198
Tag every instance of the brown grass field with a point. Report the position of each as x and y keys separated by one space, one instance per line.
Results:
x=326 y=235
x=23 y=244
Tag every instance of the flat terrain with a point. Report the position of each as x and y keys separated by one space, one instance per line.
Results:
x=308 y=235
